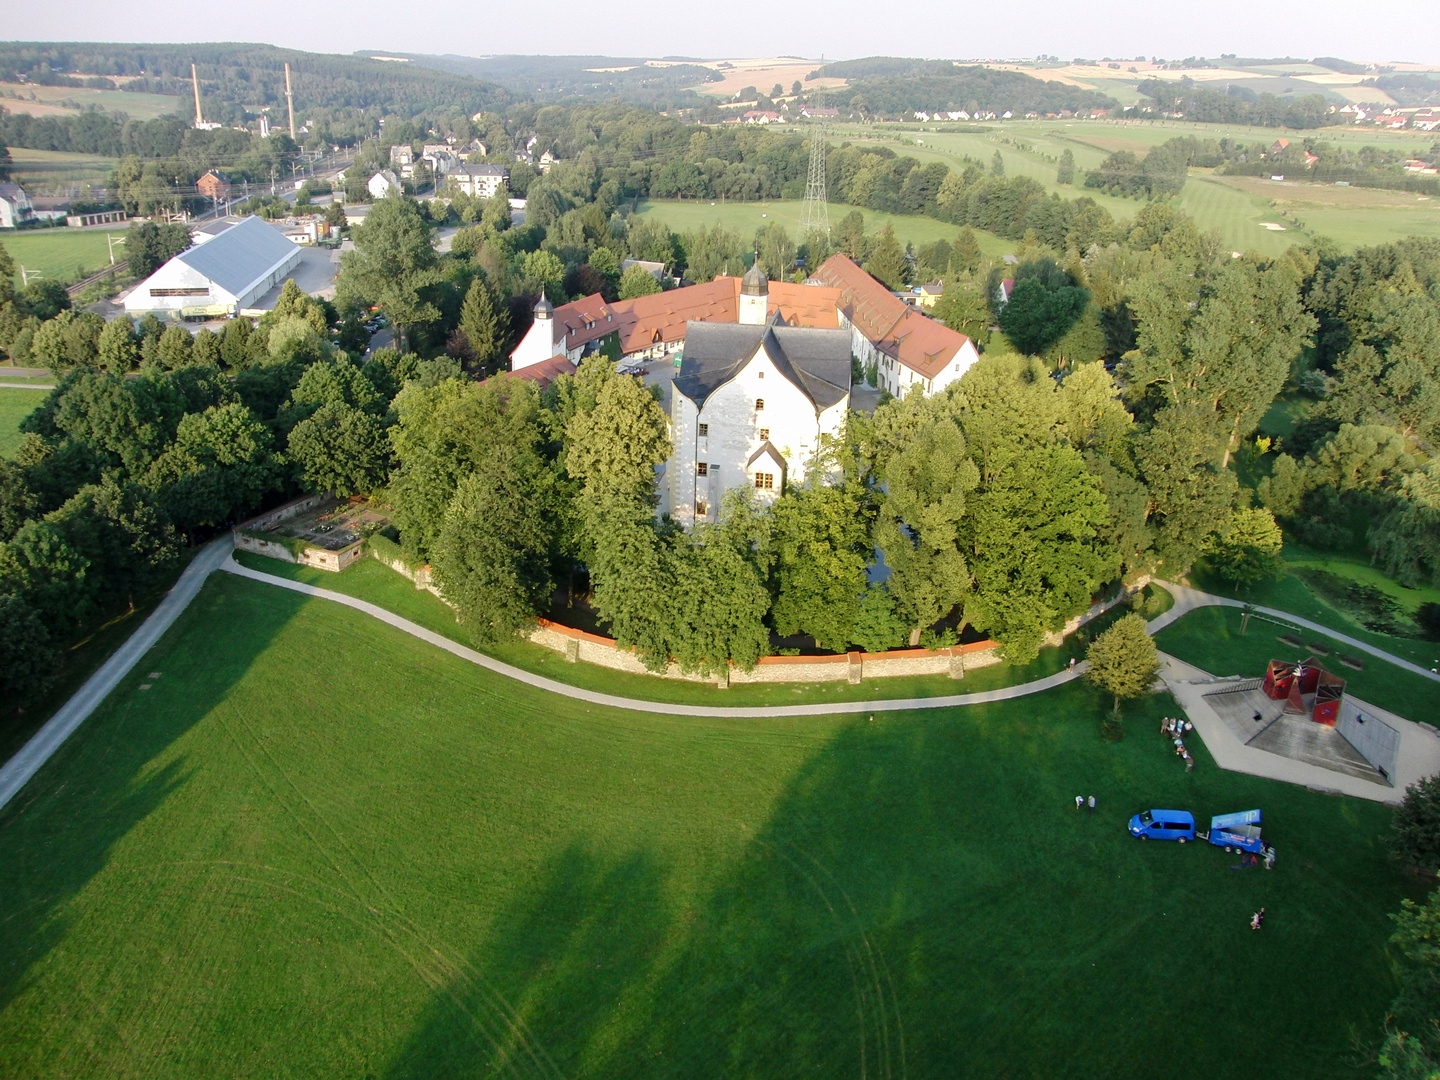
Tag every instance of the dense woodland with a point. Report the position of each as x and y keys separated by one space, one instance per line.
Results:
x=1238 y=105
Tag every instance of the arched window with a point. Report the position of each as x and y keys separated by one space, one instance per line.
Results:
x=759 y=404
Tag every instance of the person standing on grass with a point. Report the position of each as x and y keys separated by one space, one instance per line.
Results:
x=1270 y=858
x=1189 y=763
x=1257 y=920
x=1092 y=804
x=1079 y=801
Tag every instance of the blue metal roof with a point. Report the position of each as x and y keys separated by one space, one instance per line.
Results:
x=239 y=256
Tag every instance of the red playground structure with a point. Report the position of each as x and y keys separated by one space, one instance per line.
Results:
x=1295 y=683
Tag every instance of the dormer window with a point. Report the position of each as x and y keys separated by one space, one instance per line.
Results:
x=759 y=404
x=759 y=374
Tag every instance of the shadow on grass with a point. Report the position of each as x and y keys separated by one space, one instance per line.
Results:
x=924 y=900
x=102 y=776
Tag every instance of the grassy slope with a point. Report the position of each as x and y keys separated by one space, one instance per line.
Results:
x=1353 y=217
x=1210 y=638
x=685 y=214
x=372 y=581
x=62 y=254
x=317 y=847
x=15 y=405
x=136 y=105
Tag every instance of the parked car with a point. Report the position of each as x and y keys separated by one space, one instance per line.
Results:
x=1237 y=832
x=1163 y=825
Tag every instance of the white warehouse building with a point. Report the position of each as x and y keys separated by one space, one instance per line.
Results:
x=219 y=277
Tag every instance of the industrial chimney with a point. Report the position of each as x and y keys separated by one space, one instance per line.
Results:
x=195 y=79
x=289 y=101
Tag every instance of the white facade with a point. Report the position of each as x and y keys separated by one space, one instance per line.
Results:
x=740 y=444
x=384 y=183
x=15 y=208
x=543 y=340
x=480 y=181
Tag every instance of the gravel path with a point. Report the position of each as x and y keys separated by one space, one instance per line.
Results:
x=26 y=763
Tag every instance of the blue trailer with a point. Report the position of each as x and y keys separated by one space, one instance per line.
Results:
x=1163 y=825
x=1239 y=832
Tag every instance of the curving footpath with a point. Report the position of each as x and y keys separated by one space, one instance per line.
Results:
x=19 y=769
x=218 y=555
x=638 y=705
x=1188 y=599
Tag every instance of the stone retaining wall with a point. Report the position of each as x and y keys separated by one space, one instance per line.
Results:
x=577 y=645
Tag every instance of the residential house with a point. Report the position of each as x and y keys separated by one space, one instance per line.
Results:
x=383 y=183
x=15 y=207
x=482 y=181
x=402 y=161
x=214 y=185
x=906 y=347
x=548 y=160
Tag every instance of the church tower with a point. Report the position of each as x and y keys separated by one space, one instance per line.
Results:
x=754 y=297
x=538 y=344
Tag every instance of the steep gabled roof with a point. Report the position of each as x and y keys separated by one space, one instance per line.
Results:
x=922 y=344
x=816 y=361
x=239 y=256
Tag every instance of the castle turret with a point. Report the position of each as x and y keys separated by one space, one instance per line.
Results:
x=539 y=343
x=754 y=296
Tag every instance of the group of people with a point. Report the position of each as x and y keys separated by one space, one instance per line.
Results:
x=1176 y=730
x=1257 y=920
x=1080 y=803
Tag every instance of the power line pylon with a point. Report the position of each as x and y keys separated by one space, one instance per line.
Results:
x=815 y=213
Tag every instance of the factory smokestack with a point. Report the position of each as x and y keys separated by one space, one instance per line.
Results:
x=289 y=101
x=195 y=79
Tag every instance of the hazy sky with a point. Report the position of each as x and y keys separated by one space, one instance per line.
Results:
x=1397 y=30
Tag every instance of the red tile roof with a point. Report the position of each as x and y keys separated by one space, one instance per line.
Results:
x=546 y=371
x=661 y=317
x=891 y=325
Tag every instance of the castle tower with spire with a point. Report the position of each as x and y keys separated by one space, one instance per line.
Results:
x=538 y=344
x=754 y=297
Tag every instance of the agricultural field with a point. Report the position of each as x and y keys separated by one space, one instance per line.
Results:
x=15 y=405
x=685 y=214
x=62 y=254
x=1250 y=213
x=298 y=842
x=41 y=171
x=68 y=100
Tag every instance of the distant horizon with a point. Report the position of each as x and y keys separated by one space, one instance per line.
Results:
x=1408 y=32
x=400 y=55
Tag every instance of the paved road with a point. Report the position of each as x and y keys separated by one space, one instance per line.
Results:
x=26 y=386
x=1188 y=599
x=665 y=708
x=19 y=769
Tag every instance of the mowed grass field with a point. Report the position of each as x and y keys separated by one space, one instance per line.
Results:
x=1236 y=206
x=317 y=847
x=683 y=215
x=15 y=405
x=45 y=101
x=63 y=254
x=45 y=170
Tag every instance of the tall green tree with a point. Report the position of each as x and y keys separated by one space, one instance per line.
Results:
x=1123 y=661
x=340 y=449
x=484 y=323
x=1065 y=172
x=886 y=259
x=822 y=543
x=637 y=281
x=393 y=265
x=1191 y=496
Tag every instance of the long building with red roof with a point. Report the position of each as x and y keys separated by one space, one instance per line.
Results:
x=907 y=347
x=649 y=327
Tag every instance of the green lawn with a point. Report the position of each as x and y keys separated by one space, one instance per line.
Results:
x=318 y=847
x=136 y=105
x=371 y=580
x=1210 y=638
x=685 y=214
x=15 y=405
x=43 y=171
x=63 y=254
x=1289 y=593
x=1352 y=217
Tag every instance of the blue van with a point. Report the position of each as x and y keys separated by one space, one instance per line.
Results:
x=1163 y=825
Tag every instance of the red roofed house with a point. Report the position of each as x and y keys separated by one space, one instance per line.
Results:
x=907 y=347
